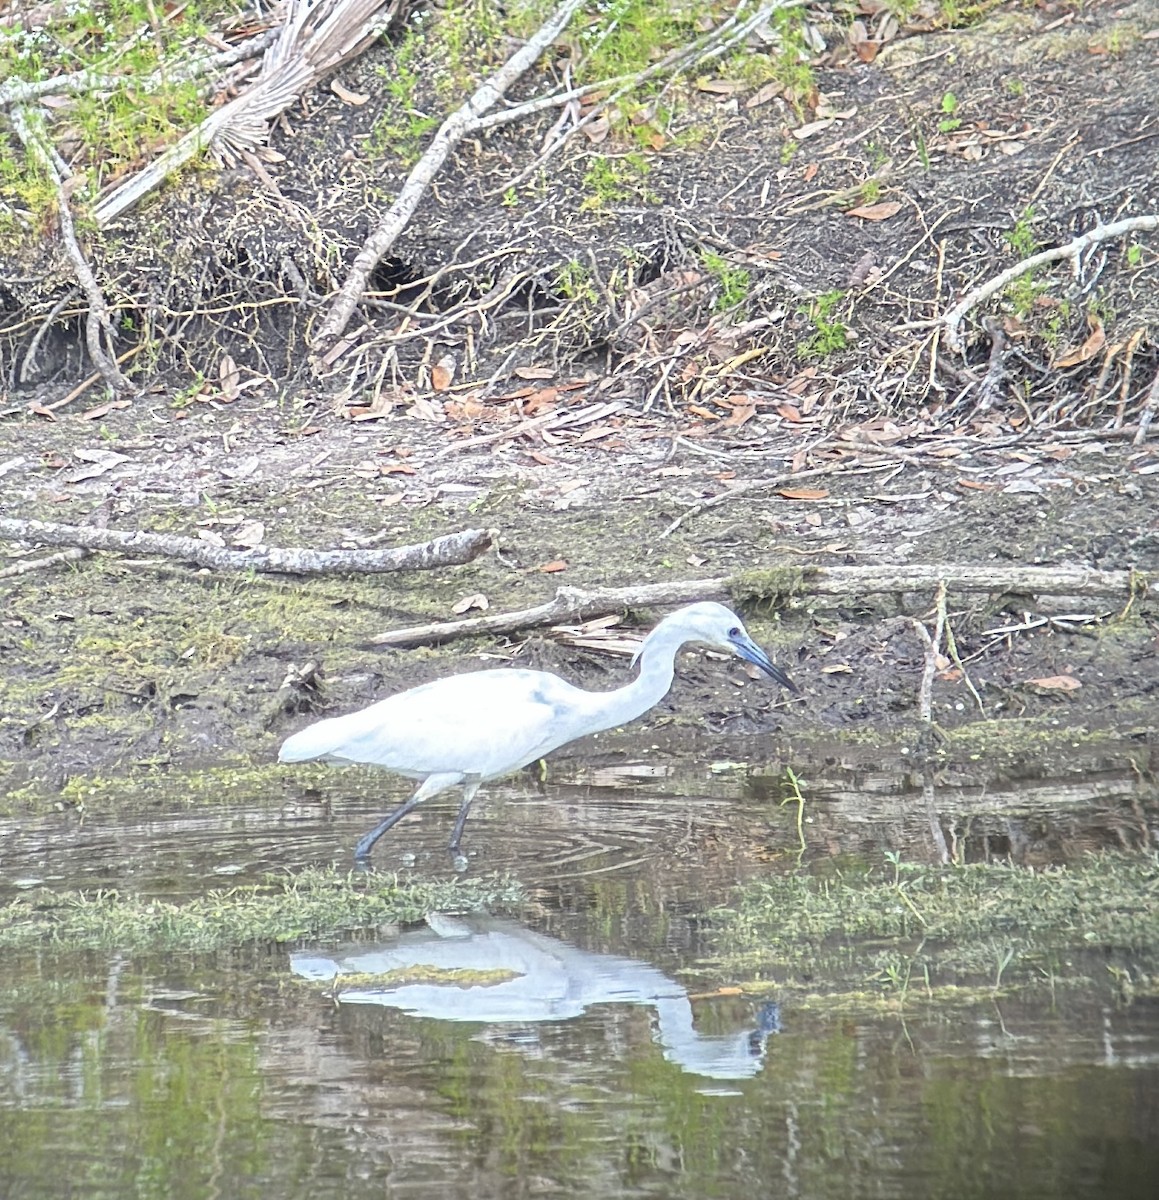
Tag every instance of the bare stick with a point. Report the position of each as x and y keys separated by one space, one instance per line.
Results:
x=450 y=133
x=576 y=604
x=39 y=564
x=98 y=321
x=1148 y=413
x=453 y=549
x=952 y=319
x=952 y=648
x=933 y=649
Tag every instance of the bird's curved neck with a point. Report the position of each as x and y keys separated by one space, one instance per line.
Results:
x=656 y=662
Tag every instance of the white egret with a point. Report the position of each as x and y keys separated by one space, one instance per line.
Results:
x=464 y=730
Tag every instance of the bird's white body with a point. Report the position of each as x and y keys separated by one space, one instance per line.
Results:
x=482 y=724
x=469 y=728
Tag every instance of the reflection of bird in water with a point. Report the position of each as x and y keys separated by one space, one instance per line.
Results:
x=467 y=729
x=497 y=973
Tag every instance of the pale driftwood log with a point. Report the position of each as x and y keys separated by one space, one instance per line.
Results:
x=952 y=319
x=576 y=604
x=451 y=550
x=461 y=122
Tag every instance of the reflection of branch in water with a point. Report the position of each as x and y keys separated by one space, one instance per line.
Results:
x=936 y=832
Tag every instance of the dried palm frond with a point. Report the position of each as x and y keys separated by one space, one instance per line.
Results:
x=317 y=37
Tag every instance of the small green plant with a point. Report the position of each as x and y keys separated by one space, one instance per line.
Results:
x=875 y=155
x=510 y=198
x=1023 y=294
x=1021 y=239
x=735 y=283
x=187 y=395
x=793 y=795
x=869 y=192
x=922 y=150
x=400 y=127
x=830 y=335
x=949 y=122
x=609 y=179
x=574 y=282
x=1134 y=255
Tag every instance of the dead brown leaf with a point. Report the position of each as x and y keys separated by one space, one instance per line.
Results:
x=543 y=398
x=443 y=373
x=250 y=535
x=1055 y=683
x=876 y=212
x=763 y=95
x=1093 y=344
x=355 y=99
x=803 y=493
x=228 y=378
x=739 y=415
x=475 y=600
x=554 y=567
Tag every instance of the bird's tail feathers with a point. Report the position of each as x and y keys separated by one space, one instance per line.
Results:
x=315 y=741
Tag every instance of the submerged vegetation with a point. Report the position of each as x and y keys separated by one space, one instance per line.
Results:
x=905 y=927
x=315 y=903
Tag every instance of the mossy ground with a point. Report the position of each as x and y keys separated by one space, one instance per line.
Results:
x=312 y=904
x=912 y=933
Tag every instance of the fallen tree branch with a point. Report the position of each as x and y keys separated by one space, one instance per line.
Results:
x=450 y=133
x=952 y=318
x=453 y=549
x=576 y=604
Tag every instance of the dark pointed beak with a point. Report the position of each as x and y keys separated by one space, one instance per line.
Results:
x=751 y=652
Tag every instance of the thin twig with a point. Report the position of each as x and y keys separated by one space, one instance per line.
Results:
x=1149 y=411
x=98 y=321
x=40 y=564
x=933 y=649
x=952 y=319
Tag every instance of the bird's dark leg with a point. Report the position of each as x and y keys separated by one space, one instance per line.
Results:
x=469 y=791
x=366 y=844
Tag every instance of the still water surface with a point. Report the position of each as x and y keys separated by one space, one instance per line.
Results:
x=600 y=1060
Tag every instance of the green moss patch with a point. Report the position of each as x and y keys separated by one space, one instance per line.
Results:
x=889 y=929
x=316 y=903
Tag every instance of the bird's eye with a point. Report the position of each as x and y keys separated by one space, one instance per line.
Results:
x=734 y=632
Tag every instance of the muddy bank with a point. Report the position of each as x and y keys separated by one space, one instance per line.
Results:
x=112 y=664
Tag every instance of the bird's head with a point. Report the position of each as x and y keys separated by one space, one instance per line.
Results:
x=720 y=627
